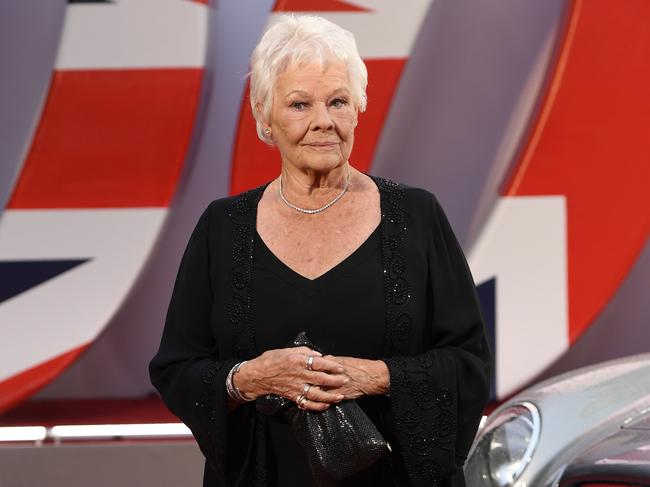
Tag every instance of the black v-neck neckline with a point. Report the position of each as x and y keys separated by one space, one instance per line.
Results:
x=292 y=275
x=357 y=256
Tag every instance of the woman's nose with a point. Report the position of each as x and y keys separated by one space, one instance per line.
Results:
x=322 y=118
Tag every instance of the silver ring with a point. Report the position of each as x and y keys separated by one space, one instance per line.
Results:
x=310 y=363
x=305 y=389
x=302 y=401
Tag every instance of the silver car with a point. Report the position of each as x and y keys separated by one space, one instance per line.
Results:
x=622 y=459
x=531 y=439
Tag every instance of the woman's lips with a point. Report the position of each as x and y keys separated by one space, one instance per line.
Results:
x=322 y=145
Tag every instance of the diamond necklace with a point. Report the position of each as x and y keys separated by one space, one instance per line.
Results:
x=317 y=210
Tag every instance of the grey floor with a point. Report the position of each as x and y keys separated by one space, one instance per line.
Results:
x=114 y=464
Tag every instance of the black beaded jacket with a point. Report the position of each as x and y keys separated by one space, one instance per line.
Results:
x=435 y=346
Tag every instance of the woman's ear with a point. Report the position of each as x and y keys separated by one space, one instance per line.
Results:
x=259 y=109
x=265 y=123
x=266 y=129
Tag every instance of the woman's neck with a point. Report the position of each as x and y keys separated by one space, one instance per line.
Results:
x=311 y=184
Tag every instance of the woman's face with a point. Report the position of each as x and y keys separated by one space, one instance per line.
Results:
x=313 y=117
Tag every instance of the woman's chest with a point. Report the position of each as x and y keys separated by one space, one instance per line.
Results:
x=313 y=246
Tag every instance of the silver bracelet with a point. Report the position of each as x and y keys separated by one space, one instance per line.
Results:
x=232 y=390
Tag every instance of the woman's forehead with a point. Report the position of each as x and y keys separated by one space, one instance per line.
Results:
x=307 y=77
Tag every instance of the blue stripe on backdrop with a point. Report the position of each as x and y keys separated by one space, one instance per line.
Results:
x=22 y=275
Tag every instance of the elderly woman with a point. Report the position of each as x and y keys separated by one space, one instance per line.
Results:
x=370 y=269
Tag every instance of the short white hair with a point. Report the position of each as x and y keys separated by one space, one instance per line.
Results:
x=298 y=39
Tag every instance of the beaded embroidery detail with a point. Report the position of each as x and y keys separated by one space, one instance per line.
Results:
x=424 y=415
x=397 y=292
x=208 y=438
x=242 y=213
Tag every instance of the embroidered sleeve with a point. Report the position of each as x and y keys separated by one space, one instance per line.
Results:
x=187 y=370
x=437 y=397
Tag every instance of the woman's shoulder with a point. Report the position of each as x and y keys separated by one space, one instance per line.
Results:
x=410 y=198
x=235 y=206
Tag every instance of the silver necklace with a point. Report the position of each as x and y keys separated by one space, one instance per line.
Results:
x=317 y=210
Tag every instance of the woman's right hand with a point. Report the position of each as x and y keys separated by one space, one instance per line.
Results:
x=284 y=372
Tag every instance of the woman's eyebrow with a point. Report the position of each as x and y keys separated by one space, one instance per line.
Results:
x=342 y=89
x=296 y=92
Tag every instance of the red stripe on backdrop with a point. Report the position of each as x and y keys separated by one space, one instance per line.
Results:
x=316 y=6
x=110 y=138
x=19 y=387
x=254 y=162
x=591 y=143
x=610 y=484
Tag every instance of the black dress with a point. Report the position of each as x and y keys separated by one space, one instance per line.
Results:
x=404 y=296
x=335 y=310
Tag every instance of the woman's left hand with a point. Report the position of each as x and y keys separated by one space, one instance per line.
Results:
x=367 y=377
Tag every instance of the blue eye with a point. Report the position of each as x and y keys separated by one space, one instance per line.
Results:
x=299 y=105
x=339 y=102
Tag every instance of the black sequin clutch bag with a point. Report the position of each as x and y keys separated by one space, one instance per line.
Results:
x=339 y=441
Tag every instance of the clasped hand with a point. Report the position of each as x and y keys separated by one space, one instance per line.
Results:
x=331 y=379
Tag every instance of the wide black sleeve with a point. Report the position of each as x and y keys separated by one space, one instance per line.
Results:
x=187 y=370
x=437 y=397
